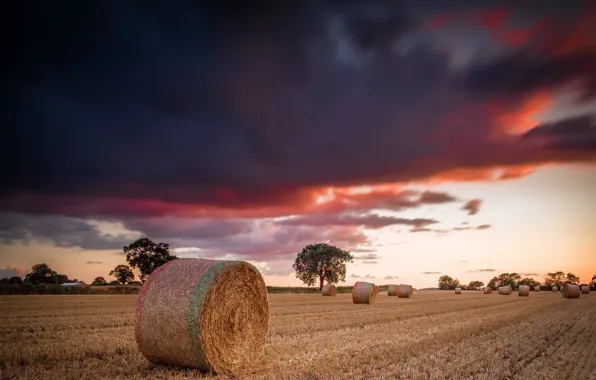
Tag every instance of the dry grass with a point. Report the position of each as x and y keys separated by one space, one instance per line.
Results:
x=544 y=336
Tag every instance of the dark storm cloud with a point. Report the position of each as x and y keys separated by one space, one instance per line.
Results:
x=371 y=221
x=59 y=230
x=577 y=133
x=249 y=105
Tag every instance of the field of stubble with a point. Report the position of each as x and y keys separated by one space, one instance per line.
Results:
x=435 y=335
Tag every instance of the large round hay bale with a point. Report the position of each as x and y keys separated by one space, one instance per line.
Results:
x=363 y=292
x=206 y=314
x=570 y=291
x=537 y=288
x=487 y=290
x=404 y=291
x=555 y=289
x=392 y=290
x=329 y=290
x=585 y=289
x=523 y=291
x=457 y=290
x=505 y=290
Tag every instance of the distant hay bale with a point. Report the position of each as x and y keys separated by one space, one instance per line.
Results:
x=585 y=289
x=457 y=290
x=537 y=288
x=505 y=290
x=523 y=291
x=570 y=291
x=392 y=290
x=377 y=289
x=487 y=290
x=207 y=314
x=404 y=291
x=329 y=290
x=363 y=292
x=555 y=289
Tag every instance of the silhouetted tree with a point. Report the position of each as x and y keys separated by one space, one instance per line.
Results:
x=529 y=282
x=570 y=278
x=15 y=280
x=99 y=281
x=555 y=279
x=475 y=285
x=321 y=262
x=41 y=274
x=123 y=274
x=146 y=256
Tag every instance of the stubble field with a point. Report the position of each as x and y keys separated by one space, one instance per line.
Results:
x=434 y=335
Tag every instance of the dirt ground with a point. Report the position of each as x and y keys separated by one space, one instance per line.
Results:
x=434 y=335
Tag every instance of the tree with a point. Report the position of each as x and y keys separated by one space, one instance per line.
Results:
x=99 y=281
x=593 y=283
x=146 y=255
x=505 y=279
x=41 y=274
x=529 y=282
x=475 y=285
x=323 y=262
x=570 y=278
x=123 y=274
x=59 y=278
x=114 y=283
x=448 y=283
x=555 y=279
x=15 y=280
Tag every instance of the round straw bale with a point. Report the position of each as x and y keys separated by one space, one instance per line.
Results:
x=363 y=292
x=392 y=290
x=537 y=288
x=585 y=289
x=488 y=290
x=329 y=290
x=523 y=291
x=570 y=291
x=555 y=289
x=457 y=290
x=505 y=290
x=404 y=291
x=377 y=289
x=207 y=314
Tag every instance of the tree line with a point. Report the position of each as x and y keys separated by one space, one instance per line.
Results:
x=514 y=280
x=314 y=265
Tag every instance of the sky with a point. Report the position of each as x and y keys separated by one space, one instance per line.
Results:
x=426 y=138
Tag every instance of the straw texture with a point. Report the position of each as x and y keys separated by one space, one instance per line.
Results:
x=329 y=290
x=363 y=292
x=404 y=291
x=585 y=289
x=392 y=290
x=537 y=288
x=457 y=290
x=488 y=290
x=206 y=314
x=505 y=290
x=570 y=291
x=523 y=291
x=377 y=289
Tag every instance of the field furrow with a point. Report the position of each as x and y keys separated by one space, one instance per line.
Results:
x=434 y=335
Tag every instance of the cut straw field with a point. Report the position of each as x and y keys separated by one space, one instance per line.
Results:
x=433 y=335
